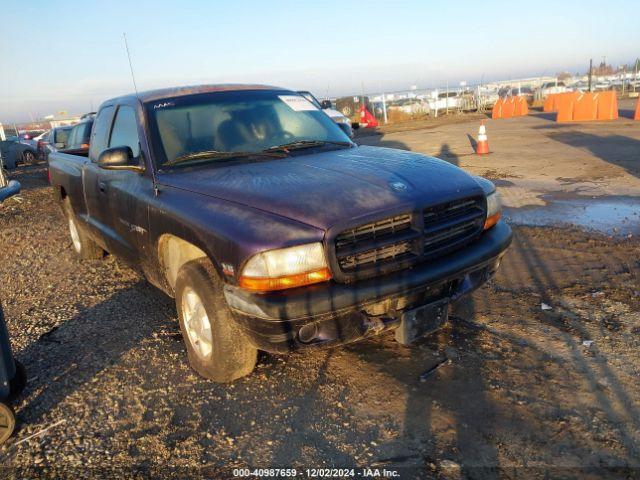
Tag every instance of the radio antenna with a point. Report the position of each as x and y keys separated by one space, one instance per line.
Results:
x=126 y=46
x=156 y=190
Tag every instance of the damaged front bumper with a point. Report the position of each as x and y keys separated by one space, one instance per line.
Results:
x=334 y=313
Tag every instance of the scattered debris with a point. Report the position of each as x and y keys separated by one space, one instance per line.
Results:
x=450 y=467
x=587 y=343
x=424 y=375
x=400 y=459
x=544 y=306
x=39 y=432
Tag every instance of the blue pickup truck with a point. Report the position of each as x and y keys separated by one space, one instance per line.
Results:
x=270 y=227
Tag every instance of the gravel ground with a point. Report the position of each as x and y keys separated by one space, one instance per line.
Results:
x=521 y=396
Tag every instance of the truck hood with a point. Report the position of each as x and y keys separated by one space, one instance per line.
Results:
x=332 y=187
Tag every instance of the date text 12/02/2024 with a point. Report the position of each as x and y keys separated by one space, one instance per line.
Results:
x=317 y=472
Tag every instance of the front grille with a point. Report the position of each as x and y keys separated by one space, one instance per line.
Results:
x=403 y=240
x=374 y=231
x=452 y=225
x=395 y=251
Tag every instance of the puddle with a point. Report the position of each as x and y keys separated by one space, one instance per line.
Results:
x=617 y=216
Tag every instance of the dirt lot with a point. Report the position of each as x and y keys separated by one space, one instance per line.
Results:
x=525 y=393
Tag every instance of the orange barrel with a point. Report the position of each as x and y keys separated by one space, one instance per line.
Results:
x=566 y=103
x=607 y=106
x=550 y=103
x=522 y=108
x=496 y=112
x=508 y=107
x=586 y=107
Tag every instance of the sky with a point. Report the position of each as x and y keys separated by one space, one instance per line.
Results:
x=69 y=55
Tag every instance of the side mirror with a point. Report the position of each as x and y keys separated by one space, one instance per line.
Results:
x=326 y=104
x=118 y=158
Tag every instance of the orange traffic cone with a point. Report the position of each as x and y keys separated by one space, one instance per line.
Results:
x=483 y=143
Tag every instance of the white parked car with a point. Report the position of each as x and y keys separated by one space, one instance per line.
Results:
x=551 y=87
x=601 y=86
x=409 y=106
x=444 y=101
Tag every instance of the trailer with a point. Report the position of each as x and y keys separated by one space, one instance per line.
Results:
x=12 y=373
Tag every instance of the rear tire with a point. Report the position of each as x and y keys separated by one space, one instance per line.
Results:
x=80 y=241
x=7 y=422
x=216 y=347
x=28 y=157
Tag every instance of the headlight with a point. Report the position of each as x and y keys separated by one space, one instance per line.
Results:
x=285 y=268
x=494 y=210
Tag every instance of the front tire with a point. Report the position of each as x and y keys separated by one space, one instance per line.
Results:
x=216 y=347
x=82 y=244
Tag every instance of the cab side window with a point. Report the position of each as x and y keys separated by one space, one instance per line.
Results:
x=125 y=130
x=72 y=136
x=100 y=132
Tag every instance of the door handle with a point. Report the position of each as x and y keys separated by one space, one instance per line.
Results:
x=102 y=186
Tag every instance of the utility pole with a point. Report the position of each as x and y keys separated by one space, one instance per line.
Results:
x=446 y=102
x=3 y=180
x=590 y=72
x=384 y=108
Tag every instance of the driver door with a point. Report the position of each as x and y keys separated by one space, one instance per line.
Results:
x=126 y=193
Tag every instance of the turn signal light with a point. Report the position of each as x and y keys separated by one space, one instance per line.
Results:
x=492 y=220
x=264 y=284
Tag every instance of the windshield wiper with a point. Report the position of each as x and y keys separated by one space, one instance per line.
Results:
x=300 y=144
x=218 y=155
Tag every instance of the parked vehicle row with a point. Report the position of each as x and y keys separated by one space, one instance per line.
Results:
x=270 y=227
x=56 y=139
x=18 y=150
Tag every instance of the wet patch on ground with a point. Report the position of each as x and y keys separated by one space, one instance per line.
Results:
x=616 y=216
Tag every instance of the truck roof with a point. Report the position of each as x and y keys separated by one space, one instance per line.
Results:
x=172 y=92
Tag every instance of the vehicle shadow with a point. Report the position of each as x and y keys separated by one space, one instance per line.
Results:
x=627 y=113
x=393 y=144
x=550 y=116
x=618 y=150
x=74 y=353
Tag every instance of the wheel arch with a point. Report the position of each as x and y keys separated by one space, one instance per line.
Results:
x=60 y=192
x=173 y=253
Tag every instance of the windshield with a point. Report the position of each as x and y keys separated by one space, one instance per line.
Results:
x=214 y=126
